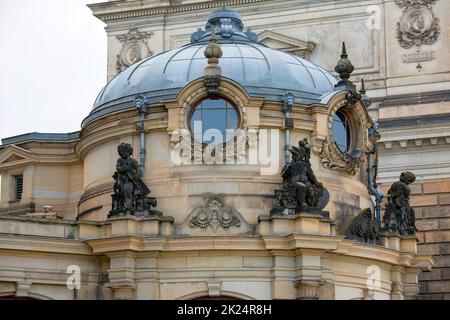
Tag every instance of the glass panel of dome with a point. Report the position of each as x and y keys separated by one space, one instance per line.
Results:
x=186 y=53
x=176 y=70
x=256 y=71
x=320 y=80
x=251 y=52
x=308 y=64
x=302 y=76
x=230 y=50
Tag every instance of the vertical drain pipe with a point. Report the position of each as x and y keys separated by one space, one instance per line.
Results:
x=141 y=105
x=288 y=103
x=373 y=185
x=372 y=171
x=372 y=159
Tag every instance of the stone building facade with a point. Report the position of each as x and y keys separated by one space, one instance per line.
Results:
x=406 y=68
x=69 y=175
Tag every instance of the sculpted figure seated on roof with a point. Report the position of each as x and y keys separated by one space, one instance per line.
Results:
x=301 y=190
x=130 y=192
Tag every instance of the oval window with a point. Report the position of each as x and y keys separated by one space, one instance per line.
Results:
x=341 y=131
x=210 y=120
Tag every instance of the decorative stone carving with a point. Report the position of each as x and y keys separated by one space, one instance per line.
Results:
x=134 y=48
x=308 y=290
x=288 y=102
x=214 y=214
x=363 y=228
x=418 y=25
x=334 y=159
x=301 y=190
x=399 y=217
x=130 y=192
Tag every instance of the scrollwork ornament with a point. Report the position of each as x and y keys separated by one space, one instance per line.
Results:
x=214 y=214
x=418 y=25
x=333 y=159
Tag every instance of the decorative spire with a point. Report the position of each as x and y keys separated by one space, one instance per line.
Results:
x=213 y=51
x=362 y=92
x=212 y=71
x=344 y=67
x=363 y=87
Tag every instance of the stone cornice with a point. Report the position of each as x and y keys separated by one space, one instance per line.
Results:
x=111 y=11
x=25 y=157
x=43 y=244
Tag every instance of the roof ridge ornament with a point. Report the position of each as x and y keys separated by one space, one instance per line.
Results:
x=345 y=68
x=212 y=72
x=226 y=25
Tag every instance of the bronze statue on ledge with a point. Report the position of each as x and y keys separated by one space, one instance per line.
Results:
x=301 y=192
x=130 y=192
x=399 y=217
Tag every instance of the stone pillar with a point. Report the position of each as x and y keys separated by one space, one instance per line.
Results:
x=122 y=275
x=283 y=275
x=411 y=283
x=309 y=274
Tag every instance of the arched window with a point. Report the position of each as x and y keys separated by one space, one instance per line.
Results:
x=211 y=116
x=341 y=131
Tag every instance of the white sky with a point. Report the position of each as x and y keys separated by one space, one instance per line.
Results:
x=52 y=65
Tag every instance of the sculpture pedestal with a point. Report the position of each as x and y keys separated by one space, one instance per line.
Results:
x=398 y=242
x=146 y=226
x=317 y=223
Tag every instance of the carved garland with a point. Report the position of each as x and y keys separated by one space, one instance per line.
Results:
x=349 y=162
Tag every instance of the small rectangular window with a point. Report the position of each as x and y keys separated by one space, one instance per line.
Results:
x=18 y=187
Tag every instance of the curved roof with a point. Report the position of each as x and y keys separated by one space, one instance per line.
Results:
x=262 y=71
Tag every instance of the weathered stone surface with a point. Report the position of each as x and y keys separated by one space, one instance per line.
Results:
x=443 y=261
x=445 y=248
x=427 y=224
x=416 y=188
x=444 y=199
x=437 y=236
x=445 y=272
x=432 y=249
x=434 y=274
x=435 y=212
x=423 y=200
x=438 y=286
x=436 y=186
x=444 y=224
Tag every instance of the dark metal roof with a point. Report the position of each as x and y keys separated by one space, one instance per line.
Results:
x=37 y=136
x=262 y=71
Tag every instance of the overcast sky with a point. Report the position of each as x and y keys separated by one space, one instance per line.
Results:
x=52 y=64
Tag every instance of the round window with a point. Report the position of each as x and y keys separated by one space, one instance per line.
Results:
x=341 y=131
x=210 y=120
